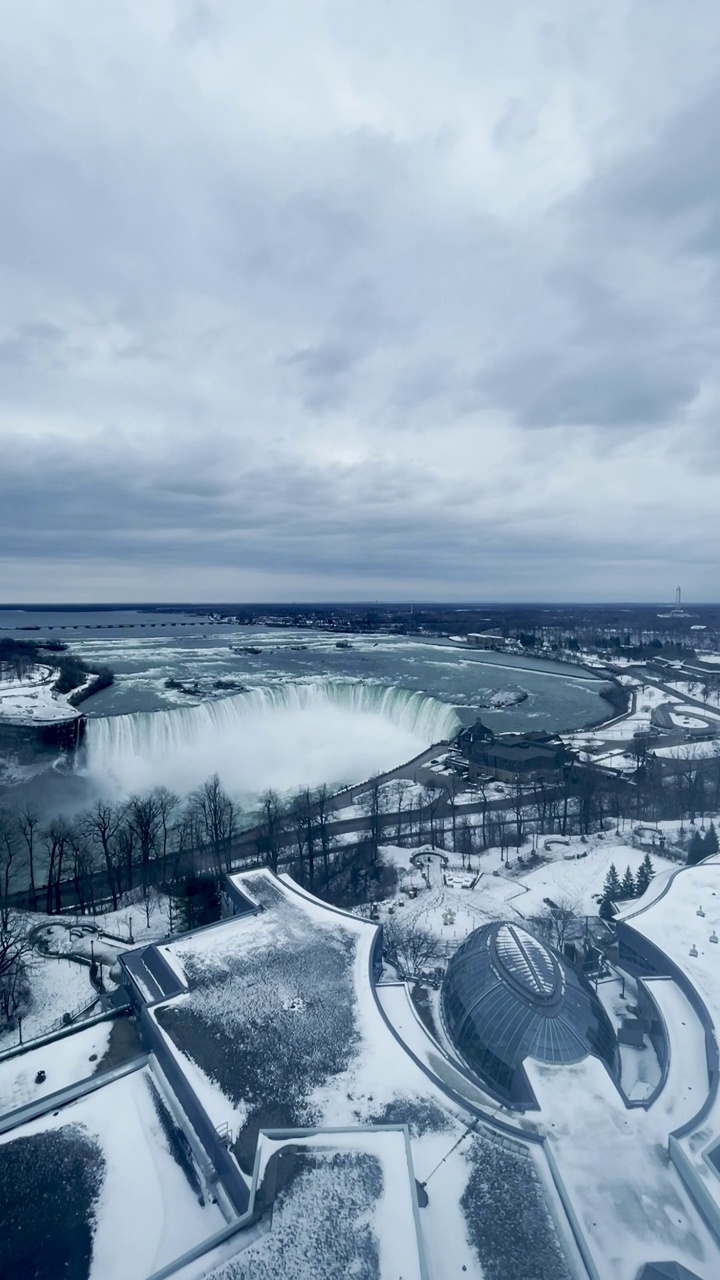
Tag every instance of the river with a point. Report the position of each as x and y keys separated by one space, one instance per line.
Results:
x=267 y=706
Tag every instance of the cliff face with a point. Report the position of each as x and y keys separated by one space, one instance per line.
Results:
x=26 y=743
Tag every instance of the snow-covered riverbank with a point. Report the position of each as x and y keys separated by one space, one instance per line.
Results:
x=31 y=699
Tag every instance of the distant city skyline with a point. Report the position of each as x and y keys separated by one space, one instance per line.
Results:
x=359 y=302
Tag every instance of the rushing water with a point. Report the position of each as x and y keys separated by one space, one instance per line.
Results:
x=281 y=736
x=282 y=708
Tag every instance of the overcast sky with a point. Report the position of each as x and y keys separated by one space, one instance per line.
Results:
x=387 y=299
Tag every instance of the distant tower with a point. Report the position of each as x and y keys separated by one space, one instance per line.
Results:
x=678 y=598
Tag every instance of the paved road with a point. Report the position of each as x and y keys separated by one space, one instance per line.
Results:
x=675 y=696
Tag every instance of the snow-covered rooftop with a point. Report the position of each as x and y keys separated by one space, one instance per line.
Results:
x=280 y=1027
x=343 y=1204
x=103 y=1181
x=681 y=920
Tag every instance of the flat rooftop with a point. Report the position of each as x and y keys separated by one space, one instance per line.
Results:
x=102 y=1186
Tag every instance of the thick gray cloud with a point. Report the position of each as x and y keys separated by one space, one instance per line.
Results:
x=344 y=301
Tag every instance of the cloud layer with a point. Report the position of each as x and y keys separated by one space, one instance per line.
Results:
x=343 y=301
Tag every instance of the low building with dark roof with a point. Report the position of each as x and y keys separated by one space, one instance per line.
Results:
x=508 y=756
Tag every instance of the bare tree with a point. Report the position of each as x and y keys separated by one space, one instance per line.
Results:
x=101 y=825
x=464 y=842
x=453 y=790
x=542 y=800
x=143 y=814
x=56 y=840
x=409 y=947
x=299 y=831
x=687 y=767
x=14 y=954
x=167 y=805
x=322 y=813
x=84 y=864
x=433 y=796
x=27 y=824
x=216 y=816
x=14 y=943
x=518 y=802
x=373 y=807
x=272 y=816
x=401 y=788
x=303 y=818
x=556 y=920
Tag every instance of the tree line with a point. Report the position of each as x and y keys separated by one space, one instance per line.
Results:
x=630 y=886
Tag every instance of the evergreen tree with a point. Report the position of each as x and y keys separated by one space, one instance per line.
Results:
x=612 y=887
x=627 y=888
x=646 y=871
x=710 y=843
x=696 y=849
x=605 y=911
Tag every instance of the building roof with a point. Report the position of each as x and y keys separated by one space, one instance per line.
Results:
x=666 y=1271
x=507 y=997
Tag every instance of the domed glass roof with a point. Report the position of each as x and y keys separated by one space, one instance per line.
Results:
x=526 y=962
x=507 y=997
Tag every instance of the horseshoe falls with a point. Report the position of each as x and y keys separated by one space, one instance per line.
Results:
x=282 y=736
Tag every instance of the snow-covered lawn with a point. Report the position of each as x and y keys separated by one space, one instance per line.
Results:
x=59 y=986
x=579 y=883
x=572 y=874
x=703 y=750
x=132 y=922
x=684 y=720
x=647 y=700
x=56 y=987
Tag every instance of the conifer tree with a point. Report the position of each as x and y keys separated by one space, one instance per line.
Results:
x=646 y=871
x=612 y=887
x=627 y=888
x=696 y=849
x=605 y=910
x=710 y=843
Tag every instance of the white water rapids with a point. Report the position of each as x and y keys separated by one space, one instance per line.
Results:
x=282 y=736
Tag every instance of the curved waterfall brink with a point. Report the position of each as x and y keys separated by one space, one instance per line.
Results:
x=280 y=736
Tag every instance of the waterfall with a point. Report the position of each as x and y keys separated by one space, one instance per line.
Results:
x=283 y=736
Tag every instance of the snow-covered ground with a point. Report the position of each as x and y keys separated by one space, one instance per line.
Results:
x=579 y=883
x=56 y=987
x=703 y=750
x=457 y=901
x=696 y=689
x=31 y=699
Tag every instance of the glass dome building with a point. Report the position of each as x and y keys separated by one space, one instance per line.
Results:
x=507 y=997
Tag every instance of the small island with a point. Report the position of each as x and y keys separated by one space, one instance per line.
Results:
x=509 y=697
